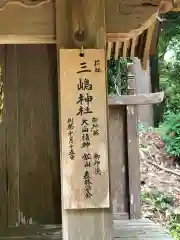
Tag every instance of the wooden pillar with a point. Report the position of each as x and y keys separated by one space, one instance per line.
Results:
x=88 y=16
x=143 y=86
x=133 y=153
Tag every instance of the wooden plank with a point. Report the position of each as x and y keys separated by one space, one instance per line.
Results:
x=124 y=229
x=24 y=3
x=139 y=229
x=138 y=99
x=86 y=224
x=28 y=21
x=118 y=166
x=148 y=45
x=94 y=26
x=12 y=123
x=3 y=163
x=135 y=16
x=133 y=155
x=84 y=135
x=39 y=172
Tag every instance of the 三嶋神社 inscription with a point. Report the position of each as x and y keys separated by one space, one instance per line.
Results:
x=84 y=145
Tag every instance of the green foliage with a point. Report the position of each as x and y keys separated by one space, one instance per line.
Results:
x=174 y=226
x=159 y=201
x=169 y=42
x=117 y=76
x=172 y=136
x=162 y=202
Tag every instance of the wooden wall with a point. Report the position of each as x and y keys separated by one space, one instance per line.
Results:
x=29 y=156
x=29 y=142
x=27 y=24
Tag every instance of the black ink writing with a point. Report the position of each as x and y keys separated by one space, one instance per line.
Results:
x=83 y=67
x=95 y=126
x=97 y=162
x=84 y=98
x=70 y=123
x=87 y=160
x=84 y=85
x=83 y=110
x=97 y=65
x=70 y=128
x=85 y=134
x=88 y=185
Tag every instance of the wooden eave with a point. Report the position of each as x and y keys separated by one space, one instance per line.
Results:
x=129 y=23
x=134 y=39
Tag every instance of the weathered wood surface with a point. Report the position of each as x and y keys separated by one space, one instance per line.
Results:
x=31 y=174
x=43 y=208
x=133 y=153
x=3 y=166
x=143 y=86
x=30 y=24
x=123 y=230
x=141 y=229
x=39 y=174
x=85 y=224
x=84 y=162
x=138 y=99
x=12 y=137
x=118 y=163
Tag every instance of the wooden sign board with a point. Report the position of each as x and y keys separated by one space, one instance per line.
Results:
x=84 y=145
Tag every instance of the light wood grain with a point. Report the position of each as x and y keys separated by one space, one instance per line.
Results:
x=138 y=99
x=133 y=153
x=123 y=230
x=74 y=165
x=17 y=20
x=86 y=224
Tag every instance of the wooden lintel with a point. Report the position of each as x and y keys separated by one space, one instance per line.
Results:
x=139 y=99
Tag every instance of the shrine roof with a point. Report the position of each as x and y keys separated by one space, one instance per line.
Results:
x=129 y=23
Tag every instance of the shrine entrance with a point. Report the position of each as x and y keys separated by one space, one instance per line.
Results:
x=30 y=136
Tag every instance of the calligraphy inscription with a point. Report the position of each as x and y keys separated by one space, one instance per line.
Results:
x=29 y=3
x=84 y=129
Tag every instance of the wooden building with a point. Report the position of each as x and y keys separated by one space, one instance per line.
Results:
x=32 y=32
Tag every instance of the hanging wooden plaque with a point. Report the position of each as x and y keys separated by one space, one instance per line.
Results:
x=83 y=116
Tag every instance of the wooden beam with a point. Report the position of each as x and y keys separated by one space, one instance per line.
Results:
x=12 y=147
x=89 y=16
x=133 y=154
x=147 y=46
x=3 y=152
x=139 y=99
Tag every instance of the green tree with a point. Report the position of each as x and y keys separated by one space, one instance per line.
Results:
x=170 y=71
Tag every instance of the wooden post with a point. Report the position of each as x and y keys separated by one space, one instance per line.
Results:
x=133 y=153
x=82 y=23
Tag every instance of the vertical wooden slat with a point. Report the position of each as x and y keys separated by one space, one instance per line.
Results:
x=133 y=154
x=3 y=163
x=83 y=224
x=147 y=46
x=133 y=47
x=125 y=48
x=12 y=122
x=118 y=166
x=38 y=144
x=109 y=50
x=117 y=49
